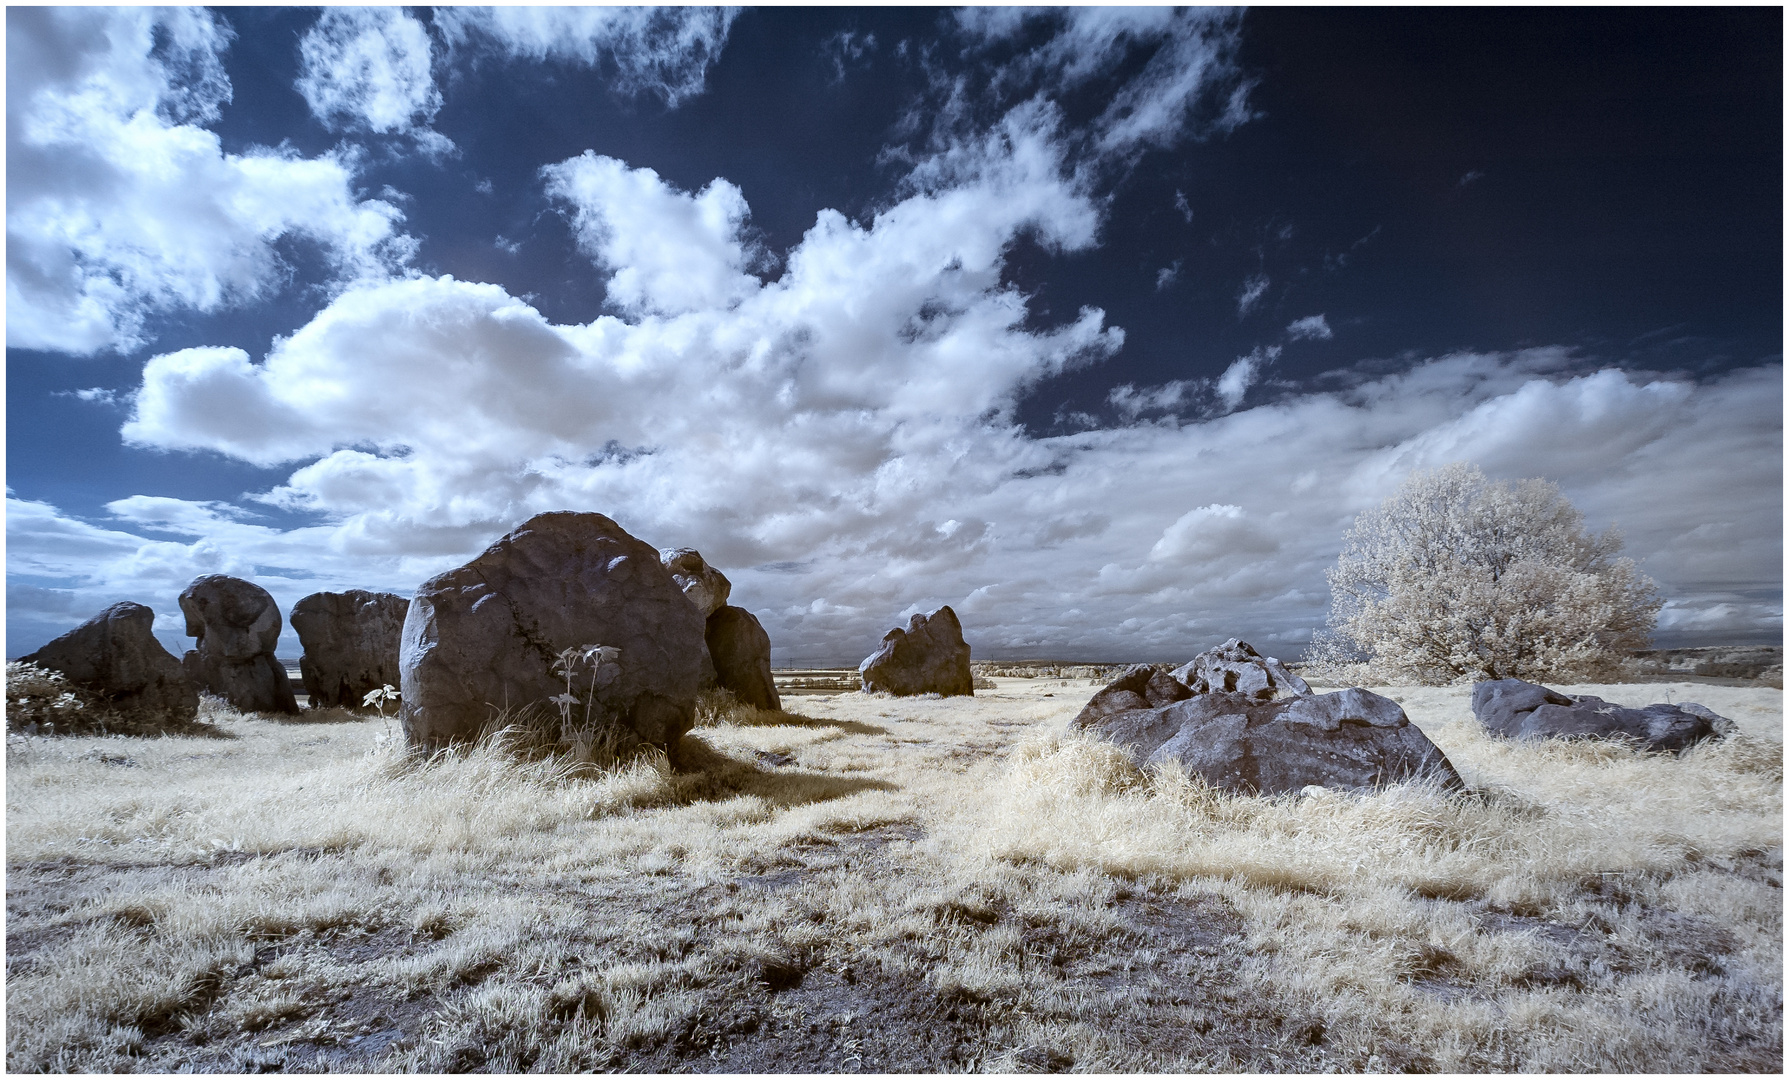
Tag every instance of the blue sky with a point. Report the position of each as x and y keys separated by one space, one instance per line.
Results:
x=1098 y=324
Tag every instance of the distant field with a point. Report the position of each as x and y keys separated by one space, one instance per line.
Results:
x=880 y=884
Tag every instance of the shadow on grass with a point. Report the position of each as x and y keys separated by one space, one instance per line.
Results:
x=705 y=774
x=766 y=718
x=328 y=715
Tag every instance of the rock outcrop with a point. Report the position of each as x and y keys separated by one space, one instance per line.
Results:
x=1235 y=667
x=1141 y=686
x=488 y=636
x=1350 y=740
x=116 y=660
x=740 y=650
x=350 y=642
x=1515 y=709
x=929 y=657
x=237 y=625
x=706 y=587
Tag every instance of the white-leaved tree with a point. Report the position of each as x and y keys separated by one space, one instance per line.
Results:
x=1458 y=577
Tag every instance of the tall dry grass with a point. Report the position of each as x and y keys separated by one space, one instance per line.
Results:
x=226 y=903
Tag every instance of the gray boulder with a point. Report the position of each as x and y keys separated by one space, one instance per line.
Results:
x=115 y=658
x=487 y=637
x=1235 y=667
x=1141 y=686
x=929 y=657
x=1350 y=740
x=237 y=625
x=350 y=642
x=740 y=650
x=706 y=587
x=1516 y=709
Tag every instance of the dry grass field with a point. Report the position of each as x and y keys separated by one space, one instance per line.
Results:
x=882 y=884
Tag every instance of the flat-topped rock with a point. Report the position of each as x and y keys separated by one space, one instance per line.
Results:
x=1517 y=709
x=1352 y=739
x=350 y=642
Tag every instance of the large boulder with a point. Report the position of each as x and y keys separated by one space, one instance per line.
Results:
x=1515 y=709
x=929 y=657
x=1235 y=667
x=350 y=642
x=740 y=650
x=1351 y=740
x=489 y=635
x=115 y=658
x=706 y=587
x=237 y=625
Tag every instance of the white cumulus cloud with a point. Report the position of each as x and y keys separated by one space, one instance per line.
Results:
x=119 y=204
x=370 y=69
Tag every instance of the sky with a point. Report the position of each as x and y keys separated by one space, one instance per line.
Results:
x=1100 y=325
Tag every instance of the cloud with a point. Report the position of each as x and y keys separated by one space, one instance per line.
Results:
x=1185 y=208
x=671 y=251
x=119 y=205
x=662 y=51
x=1252 y=291
x=843 y=438
x=1311 y=326
x=368 y=69
x=844 y=48
x=1166 y=275
x=1188 y=83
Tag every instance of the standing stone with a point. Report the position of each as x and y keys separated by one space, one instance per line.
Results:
x=741 y=652
x=929 y=657
x=1515 y=709
x=238 y=625
x=486 y=637
x=350 y=644
x=116 y=659
x=1350 y=740
x=706 y=587
x=1236 y=668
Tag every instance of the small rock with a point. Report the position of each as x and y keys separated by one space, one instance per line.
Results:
x=706 y=587
x=1236 y=668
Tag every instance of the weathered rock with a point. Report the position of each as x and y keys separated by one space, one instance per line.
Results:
x=1235 y=667
x=116 y=659
x=1352 y=740
x=706 y=587
x=929 y=657
x=350 y=642
x=237 y=625
x=740 y=650
x=1515 y=709
x=487 y=636
x=1141 y=686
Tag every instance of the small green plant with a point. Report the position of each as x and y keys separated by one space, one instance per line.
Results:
x=604 y=664
x=378 y=698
